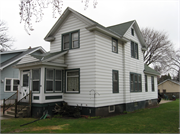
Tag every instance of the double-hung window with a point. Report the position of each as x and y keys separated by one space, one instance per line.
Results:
x=11 y=84
x=73 y=81
x=115 y=84
x=58 y=79
x=70 y=40
x=49 y=79
x=135 y=82
x=134 y=50
x=152 y=83
x=36 y=80
x=146 y=86
x=53 y=80
x=114 y=45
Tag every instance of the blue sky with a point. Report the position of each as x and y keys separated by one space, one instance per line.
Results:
x=162 y=15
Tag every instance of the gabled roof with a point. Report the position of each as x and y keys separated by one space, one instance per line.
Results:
x=149 y=70
x=116 y=31
x=20 y=56
x=176 y=82
x=121 y=28
x=48 y=56
x=42 y=59
x=13 y=51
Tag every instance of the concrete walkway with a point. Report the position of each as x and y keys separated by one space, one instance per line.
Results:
x=3 y=117
x=165 y=101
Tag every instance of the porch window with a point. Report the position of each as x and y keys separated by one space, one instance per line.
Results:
x=49 y=79
x=58 y=80
x=36 y=80
x=53 y=80
x=11 y=84
x=152 y=83
x=114 y=45
x=70 y=40
x=72 y=81
x=135 y=82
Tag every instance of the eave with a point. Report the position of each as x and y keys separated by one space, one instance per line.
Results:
x=40 y=64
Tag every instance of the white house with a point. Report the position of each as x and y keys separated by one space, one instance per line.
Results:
x=98 y=68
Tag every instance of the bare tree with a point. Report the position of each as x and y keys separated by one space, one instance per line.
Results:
x=159 y=49
x=5 y=40
x=30 y=8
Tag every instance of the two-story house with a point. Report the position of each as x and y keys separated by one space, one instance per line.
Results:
x=98 y=68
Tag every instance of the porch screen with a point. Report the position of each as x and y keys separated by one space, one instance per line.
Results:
x=58 y=80
x=73 y=80
x=49 y=79
x=35 y=80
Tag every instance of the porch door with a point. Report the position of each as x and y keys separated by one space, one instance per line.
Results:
x=25 y=84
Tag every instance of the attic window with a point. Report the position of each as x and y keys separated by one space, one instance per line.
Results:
x=132 y=31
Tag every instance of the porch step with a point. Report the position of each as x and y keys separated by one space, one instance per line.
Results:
x=20 y=113
x=8 y=115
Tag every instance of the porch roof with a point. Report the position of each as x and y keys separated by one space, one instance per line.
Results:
x=149 y=70
x=41 y=59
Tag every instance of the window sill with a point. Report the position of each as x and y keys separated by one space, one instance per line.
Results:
x=72 y=92
x=10 y=91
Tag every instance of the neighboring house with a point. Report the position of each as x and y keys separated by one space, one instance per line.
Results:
x=169 y=87
x=101 y=69
x=9 y=75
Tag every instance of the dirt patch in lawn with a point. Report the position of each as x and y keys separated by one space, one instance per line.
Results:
x=59 y=127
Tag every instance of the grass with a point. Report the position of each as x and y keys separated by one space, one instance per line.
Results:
x=163 y=119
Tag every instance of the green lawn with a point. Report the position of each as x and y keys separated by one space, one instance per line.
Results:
x=163 y=119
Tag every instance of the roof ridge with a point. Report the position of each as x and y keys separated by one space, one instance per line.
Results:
x=121 y=23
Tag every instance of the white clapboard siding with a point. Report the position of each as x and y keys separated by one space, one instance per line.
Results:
x=136 y=66
x=106 y=61
x=83 y=58
x=27 y=59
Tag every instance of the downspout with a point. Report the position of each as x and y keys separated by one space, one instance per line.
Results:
x=124 y=74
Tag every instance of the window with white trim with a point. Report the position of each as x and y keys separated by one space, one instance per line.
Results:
x=111 y=109
x=11 y=85
x=72 y=81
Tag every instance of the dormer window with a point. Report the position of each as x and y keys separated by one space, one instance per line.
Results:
x=132 y=31
x=70 y=40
